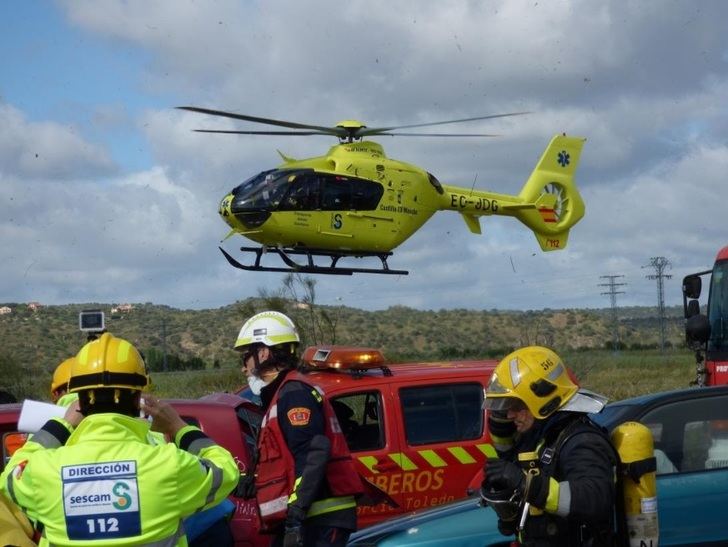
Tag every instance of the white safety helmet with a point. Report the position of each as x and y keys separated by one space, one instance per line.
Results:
x=270 y=328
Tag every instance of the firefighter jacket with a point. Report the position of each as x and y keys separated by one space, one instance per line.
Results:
x=103 y=481
x=303 y=459
x=573 y=500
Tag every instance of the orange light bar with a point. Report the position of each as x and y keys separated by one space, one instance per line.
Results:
x=343 y=357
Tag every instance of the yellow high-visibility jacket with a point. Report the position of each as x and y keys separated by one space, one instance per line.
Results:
x=103 y=481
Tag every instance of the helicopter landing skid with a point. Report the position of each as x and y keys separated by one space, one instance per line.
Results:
x=310 y=266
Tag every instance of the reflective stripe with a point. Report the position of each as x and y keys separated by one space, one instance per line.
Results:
x=403 y=461
x=564 y=506
x=294 y=496
x=369 y=462
x=45 y=439
x=216 y=480
x=556 y=372
x=487 y=449
x=198 y=444
x=273 y=506
x=10 y=489
x=461 y=454
x=432 y=458
x=330 y=504
x=515 y=373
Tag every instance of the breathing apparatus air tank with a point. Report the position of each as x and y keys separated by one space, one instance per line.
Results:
x=637 y=486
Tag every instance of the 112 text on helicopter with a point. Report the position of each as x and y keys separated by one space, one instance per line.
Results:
x=354 y=201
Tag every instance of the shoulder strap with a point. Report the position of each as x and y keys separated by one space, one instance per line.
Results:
x=581 y=425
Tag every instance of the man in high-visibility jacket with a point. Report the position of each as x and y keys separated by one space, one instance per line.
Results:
x=305 y=477
x=93 y=477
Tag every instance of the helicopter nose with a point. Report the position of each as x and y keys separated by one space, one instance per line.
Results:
x=224 y=209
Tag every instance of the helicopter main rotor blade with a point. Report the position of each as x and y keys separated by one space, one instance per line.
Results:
x=268 y=121
x=231 y=132
x=377 y=130
x=437 y=135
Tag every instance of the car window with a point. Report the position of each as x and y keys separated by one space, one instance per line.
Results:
x=359 y=417
x=442 y=413
x=690 y=435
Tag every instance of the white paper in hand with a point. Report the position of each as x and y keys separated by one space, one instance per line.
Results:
x=34 y=414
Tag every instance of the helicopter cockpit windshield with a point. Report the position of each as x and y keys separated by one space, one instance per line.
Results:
x=263 y=192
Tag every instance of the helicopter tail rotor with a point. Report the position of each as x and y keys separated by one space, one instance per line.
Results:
x=555 y=202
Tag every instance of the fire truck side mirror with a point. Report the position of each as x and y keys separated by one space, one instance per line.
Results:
x=693 y=309
x=697 y=328
x=692 y=285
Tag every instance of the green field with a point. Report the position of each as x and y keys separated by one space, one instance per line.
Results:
x=618 y=376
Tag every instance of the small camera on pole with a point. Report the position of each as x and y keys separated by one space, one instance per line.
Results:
x=92 y=323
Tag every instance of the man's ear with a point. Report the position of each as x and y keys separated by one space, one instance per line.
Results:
x=264 y=353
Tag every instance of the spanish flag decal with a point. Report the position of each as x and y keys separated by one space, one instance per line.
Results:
x=548 y=215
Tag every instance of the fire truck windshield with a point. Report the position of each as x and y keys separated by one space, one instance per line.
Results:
x=718 y=308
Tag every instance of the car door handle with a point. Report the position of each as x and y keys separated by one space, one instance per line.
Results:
x=385 y=466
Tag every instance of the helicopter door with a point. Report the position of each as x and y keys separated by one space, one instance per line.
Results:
x=303 y=195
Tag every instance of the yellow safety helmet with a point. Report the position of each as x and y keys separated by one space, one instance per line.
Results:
x=108 y=362
x=61 y=376
x=533 y=375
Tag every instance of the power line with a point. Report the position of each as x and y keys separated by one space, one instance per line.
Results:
x=660 y=264
x=613 y=292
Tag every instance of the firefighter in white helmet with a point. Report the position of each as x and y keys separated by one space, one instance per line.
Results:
x=557 y=462
x=305 y=480
x=94 y=477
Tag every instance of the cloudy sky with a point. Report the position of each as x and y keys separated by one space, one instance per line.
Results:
x=106 y=195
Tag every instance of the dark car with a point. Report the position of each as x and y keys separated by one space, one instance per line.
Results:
x=690 y=430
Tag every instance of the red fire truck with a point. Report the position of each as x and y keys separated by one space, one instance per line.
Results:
x=707 y=333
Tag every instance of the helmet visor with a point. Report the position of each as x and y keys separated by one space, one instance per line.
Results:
x=500 y=403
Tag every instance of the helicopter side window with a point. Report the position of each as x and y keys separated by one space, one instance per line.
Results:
x=303 y=194
x=343 y=193
x=366 y=195
x=336 y=193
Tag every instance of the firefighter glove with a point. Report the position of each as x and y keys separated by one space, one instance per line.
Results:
x=293 y=537
x=506 y=475
x=507 y=527
x=246 y=486
x=295 y=516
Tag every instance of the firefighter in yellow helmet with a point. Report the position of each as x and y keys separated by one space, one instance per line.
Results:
x=555 y=466
x=59 y=383
x=93 y=477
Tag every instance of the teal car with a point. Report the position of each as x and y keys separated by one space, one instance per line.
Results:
x=690 y=430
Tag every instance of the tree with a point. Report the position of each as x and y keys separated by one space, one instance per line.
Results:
x=297 y=298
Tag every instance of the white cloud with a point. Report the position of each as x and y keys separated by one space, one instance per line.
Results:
x=46 y=149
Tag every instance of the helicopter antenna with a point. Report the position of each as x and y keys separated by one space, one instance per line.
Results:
x=473 y=186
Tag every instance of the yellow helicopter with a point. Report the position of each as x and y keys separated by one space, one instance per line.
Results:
x=355 y=202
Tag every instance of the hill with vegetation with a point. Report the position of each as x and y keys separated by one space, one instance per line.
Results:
x=34 y=339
